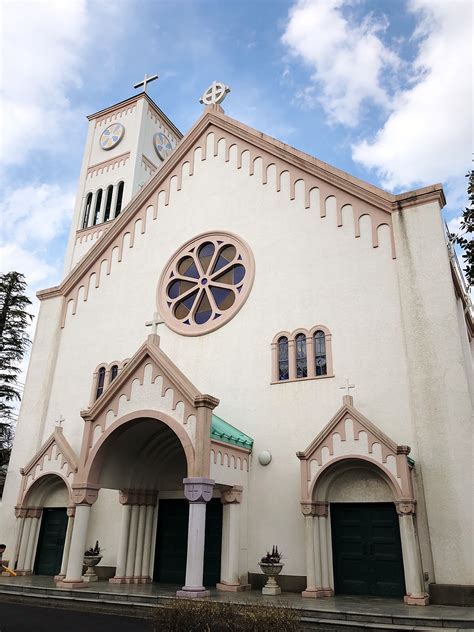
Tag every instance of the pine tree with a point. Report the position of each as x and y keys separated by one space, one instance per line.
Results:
x=14 y=343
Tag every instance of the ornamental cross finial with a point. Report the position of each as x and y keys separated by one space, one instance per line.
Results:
x=347 y=386
x=147 y=79
x=59 y=421
x=215 y=94
x=157 y=320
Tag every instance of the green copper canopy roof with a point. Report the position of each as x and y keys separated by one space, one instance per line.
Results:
x=222 y=431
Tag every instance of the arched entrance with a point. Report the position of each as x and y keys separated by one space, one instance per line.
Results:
x=44 y=534
x=359 y=510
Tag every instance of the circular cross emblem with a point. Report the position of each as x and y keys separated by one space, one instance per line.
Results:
x=111 y=136
x=205 y=283
x=216 y=93
x=163 y=146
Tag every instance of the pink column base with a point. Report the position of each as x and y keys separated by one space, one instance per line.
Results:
x=417 y=600
x=192 y=594
x=59 y=578
x=314 y=593
x=71 y=584
x=232 y=587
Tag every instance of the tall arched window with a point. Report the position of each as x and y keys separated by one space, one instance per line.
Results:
x=301 y=356
x=100 y=382
x=97 y=206
x=108 y=203
x=319 y=345
x=118 y=203
x=87 y=211
x=283 y=366
x=113 y=372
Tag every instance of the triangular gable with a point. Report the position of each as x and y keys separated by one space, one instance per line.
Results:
x=351 y=435
x=172 y=378
x=315 y=174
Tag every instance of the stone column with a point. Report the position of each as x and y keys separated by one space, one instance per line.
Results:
x=92 y=213
x=84 y=497
x=123 y=543
x=137 y=569
x=24 y=543
x=322 y=513
x=313 y=589
x=230 y=578
x=132 y=543
x=34 y=514
x=416 y=595
x=71 y=512
x=145 y=573
x=20 y=514
x=198 y=491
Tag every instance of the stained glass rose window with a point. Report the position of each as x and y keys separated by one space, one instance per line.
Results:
x=205 y=283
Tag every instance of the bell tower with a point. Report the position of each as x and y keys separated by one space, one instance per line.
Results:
x=126 y=145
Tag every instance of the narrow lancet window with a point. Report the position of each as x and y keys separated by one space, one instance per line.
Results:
x=97 y=206
x=108 y=203
x=283 y=358
x=301 y=357
x=100 y=382
x=118 y=204
x=113 y=372
x=87 y=211
x=320 y=360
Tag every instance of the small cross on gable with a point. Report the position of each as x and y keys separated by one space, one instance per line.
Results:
x=59 y=421
x=157 y=320
x=347 y=388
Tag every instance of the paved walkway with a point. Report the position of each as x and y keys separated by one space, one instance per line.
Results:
x=350 y=607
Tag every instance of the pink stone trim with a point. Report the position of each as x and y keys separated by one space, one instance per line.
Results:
x=232 y=496
x=137 y=497
x=85 y=494
x=157 y=116
x=107 y=165
x=113 y=113
x=222 y=586
x=218 y=239
x=418 y=600
x=88 y=234
x=402 y=491
x=309 y=355
x=148 y=165
x=364 y=198
x=230 y=456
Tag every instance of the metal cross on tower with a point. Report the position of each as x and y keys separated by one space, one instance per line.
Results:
x=347 y=386
x=157 y=320
x=145 y=81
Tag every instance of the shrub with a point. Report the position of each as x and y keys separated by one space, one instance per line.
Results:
x=186 y=615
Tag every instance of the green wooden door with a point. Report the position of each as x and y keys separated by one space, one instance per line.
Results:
x=172 y=542
x=367 y=553
x=49 y=552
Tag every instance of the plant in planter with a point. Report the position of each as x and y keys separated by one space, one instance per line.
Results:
x=92 y=557
x=271 y=566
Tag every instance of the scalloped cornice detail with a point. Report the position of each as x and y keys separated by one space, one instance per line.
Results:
x=364 y=198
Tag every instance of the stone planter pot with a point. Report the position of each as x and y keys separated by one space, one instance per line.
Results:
x=90 y=561
x=271 y=571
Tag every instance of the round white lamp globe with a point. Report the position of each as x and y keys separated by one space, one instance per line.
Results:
x=264 y=457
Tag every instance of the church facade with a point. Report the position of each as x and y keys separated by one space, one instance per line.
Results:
x=249 y=348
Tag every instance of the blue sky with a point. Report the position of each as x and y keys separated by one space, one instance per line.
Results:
x=379 y=88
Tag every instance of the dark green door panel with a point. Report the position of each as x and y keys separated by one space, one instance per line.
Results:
x=49 y=552
x=172 y=542
x=367 y=552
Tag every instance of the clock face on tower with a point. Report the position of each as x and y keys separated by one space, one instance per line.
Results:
x=163 y=146
x=111 y=136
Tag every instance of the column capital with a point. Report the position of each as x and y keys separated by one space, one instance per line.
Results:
x=405 y=507
x=20 y=512
x=232 y=495
x=206 y=401
x=321 y=508
x=198 y=489
x=308 y=508
x=34 y=512
x=71 y=511
x=84 y=494
x=137 y=497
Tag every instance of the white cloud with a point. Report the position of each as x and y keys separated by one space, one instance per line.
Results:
x=427 y=138
x=347 y=60
x=33 y=266
x=43 y=49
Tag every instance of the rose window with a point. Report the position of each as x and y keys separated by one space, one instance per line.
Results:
x=205 y=283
